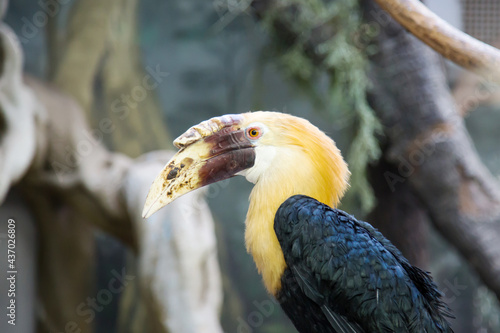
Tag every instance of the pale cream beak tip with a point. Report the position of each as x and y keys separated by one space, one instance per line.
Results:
x=146 y=212
x=152 y=206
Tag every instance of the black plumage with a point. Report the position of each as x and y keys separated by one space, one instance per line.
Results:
x=342 y=275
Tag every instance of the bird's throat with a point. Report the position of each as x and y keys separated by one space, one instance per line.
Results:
x=266 y=197
x=261 y=240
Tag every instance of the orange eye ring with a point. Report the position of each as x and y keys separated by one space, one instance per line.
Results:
x=253 y=133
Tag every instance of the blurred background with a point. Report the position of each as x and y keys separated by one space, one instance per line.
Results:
x=90 y=87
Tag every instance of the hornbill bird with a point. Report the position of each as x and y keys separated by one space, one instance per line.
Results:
x=329 y=271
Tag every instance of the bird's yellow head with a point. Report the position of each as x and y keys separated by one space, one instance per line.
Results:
x=281 y=154
x=268 y=148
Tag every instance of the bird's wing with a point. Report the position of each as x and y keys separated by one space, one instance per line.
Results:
x=358 y=272
x=338 y=322
x=421 y=279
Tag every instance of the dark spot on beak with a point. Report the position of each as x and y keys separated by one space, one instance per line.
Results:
x=173 y=173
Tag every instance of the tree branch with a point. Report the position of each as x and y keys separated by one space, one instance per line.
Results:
x=448 y=41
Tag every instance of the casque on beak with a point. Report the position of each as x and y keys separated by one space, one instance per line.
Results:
x=214 y=150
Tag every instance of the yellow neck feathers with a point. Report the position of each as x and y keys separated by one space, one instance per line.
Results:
x=306 y=162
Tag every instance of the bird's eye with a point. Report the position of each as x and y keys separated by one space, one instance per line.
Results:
x=253 y=133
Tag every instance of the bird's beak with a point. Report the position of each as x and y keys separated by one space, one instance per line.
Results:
x=211 y=151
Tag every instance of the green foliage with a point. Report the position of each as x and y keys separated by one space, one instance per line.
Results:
x=343 y=57
x=348 y=92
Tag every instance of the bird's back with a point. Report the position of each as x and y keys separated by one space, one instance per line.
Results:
x=342 y=275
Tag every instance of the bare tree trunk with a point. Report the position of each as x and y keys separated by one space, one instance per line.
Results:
x=84 y=47
x=399 y=213
x=432 y=150
x=129 y=98
x=101 y=46
x=66 y=265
